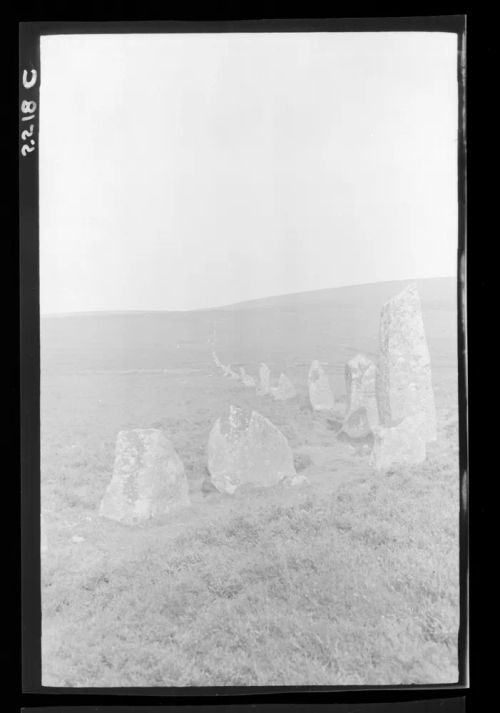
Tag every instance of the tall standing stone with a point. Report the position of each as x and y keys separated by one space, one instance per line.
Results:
x=320 y=392
x=285 y=389
x=404 y=379
x=248 y=449
x=362 y=410
x=148 y=478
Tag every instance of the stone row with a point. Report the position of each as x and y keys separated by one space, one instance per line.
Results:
x=392 y=401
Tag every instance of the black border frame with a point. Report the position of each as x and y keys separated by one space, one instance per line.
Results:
x=29 y=57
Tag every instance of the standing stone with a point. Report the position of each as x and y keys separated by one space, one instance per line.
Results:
x=246 y=378
x=401 y=444
x=320 y=393
x=148 y=478
x=285 y=389
x=265 y=380
x=404 y=364
x=362 y=410
x=248 y=449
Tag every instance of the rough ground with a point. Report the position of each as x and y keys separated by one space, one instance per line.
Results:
x=350 y=579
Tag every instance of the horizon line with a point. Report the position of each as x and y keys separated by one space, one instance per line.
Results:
x=83 y=313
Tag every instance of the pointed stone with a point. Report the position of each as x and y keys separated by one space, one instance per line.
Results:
x=404 y=364
x=148 y=478
x=320 y=392
x=285 y=389
x=247 y=449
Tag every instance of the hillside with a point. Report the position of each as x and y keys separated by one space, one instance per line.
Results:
x=351 y=579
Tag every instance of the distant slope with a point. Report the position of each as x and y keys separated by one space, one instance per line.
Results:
x=434 y=292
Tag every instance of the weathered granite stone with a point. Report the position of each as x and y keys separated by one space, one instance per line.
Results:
x=285 y=389
x=362 y=409
x=247 y=449
x=148 y=478
x=265 y=380
x=246 y=378
x=404 y=363
x=320 y=392
x=399 y=444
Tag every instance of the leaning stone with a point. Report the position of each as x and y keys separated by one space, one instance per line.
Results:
x=404 y=363
x=285 y=389
x=148 y=478
x=246 y=378
x=265 y=380
x=399 y=444
x=320 y=392
x=247 y=449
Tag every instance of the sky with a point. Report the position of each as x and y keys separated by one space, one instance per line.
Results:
x=188 y=171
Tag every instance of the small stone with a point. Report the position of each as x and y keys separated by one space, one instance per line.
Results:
x=285 y=389
x=320 y=392
x=299 y=480
x=247 y=449
x=246 y=378
x=302 y=461
x=148 y=478
x=77 y=538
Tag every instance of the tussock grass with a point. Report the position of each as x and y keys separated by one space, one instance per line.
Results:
x=350 y=586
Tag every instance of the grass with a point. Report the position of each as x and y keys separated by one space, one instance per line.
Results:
x=351 y=579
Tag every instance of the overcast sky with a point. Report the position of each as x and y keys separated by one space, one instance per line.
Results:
x=188 y=171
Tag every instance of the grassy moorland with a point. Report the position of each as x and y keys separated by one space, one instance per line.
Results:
x=351 y=579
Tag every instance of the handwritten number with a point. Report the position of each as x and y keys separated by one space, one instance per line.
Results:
x=27 y=149
x=25 y=135
x=28 y=83
x=28 y=107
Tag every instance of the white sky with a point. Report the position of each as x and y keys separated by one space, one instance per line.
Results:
x=196 y=170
